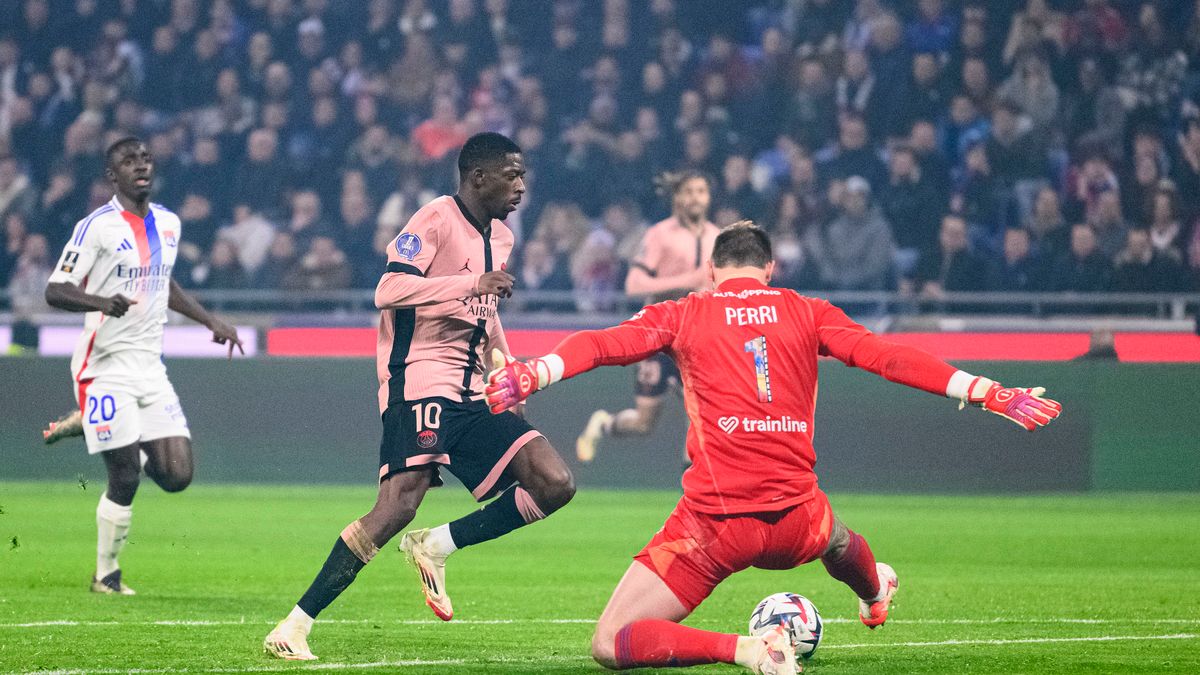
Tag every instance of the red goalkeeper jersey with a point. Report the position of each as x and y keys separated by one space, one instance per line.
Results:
x=747 y=354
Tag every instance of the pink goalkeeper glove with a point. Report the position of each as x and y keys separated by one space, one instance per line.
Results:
x=1025 y=407
x=514 y=381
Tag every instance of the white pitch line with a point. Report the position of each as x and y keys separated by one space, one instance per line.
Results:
x=501 y=622
x=1020 y=641
x=292 y=667
x=281 y=667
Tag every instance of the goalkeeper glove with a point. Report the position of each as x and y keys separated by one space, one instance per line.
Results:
x=1025 y=407
x=513 y=381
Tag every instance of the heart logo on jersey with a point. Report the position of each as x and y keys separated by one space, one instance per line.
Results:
x=728 y=424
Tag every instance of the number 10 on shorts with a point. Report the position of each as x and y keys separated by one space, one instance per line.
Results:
x=428 y=415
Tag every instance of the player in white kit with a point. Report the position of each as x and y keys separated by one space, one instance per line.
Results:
x=117 y=268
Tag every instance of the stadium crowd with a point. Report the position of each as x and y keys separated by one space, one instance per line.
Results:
x=921 y=145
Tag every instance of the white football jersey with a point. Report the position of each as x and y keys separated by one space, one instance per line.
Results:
x=114 y=251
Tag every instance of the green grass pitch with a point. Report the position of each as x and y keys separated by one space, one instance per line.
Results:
x=1063 y=584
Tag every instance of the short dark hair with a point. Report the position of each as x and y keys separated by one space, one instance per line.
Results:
x=484 y=148
x=111 y=153
x=669 y=183
x=742 y=246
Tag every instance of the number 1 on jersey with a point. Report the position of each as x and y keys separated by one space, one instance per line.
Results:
x=758 y=347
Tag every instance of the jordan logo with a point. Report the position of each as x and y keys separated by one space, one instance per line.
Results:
x=466 y=266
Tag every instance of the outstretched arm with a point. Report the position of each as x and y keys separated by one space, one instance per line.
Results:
x=854 y=345
x=648 y=332
x=180 y=301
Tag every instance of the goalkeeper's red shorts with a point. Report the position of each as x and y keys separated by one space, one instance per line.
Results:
x=693 y=552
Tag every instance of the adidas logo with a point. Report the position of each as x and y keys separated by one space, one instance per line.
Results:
x=125 y=245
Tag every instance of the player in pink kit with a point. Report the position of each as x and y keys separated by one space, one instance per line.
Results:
x=445 y=276
x=748 y=357
x=673 y=262
x=116 y=267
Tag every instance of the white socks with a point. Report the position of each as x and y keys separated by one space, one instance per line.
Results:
x=439 y=541
x=112 y=529
x=299 y=618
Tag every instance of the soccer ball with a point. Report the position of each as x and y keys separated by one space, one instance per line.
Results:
x=796 y=613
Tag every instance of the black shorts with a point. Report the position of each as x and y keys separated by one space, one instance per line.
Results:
x=466 y=438
x=655 y=375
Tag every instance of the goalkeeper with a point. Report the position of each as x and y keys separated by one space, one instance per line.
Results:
x=747 y=354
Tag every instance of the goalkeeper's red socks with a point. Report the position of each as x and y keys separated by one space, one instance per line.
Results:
x=856 y=568
x=652 y=643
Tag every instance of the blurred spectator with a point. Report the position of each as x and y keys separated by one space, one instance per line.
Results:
x=17 y=194
x=1031 y=91
x=933 y=30
x=811 y=113
x=1097 y=28
x=281 y=257
x=979 y=195
x=199 y=223
x=222 y=269
x=1013 y=153
x=251 y=236
x=962 y=129
x=1083 y=269
x=305 y=219
x=1093 y=112
x=857 y=90
x=852 y=155
x=441 y=133
x=27 y=283
x=1138 y=193
x=540 y=268
x=854 y=252
x=911 y=206
x=322 y=267
x=1019 y=269
x=1141 y=269
x=355 y=235
x=736 y=191
x=260 y=180
x=1108 y=224
x=1166 y=232
x=1047 y=227
x=952 y=267
x=1154 y=71
x=16 y=231
x=27 y=292
x=922 y=98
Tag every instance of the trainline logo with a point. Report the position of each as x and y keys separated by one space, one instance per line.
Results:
x=781 y=425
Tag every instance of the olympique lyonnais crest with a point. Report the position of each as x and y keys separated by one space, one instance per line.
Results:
x=408 y=245
x=169 y=237
x=104 y=433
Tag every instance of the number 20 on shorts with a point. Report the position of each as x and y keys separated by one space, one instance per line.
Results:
x=105 y=407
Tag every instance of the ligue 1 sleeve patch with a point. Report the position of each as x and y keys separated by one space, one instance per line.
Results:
x=408 y=245
x=69 y=262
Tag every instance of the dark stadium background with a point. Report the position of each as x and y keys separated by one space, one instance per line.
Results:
x=295 y=137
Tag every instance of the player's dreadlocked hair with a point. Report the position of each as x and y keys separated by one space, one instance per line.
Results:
x=668 y=183
x=111 y=153
x=742 y=245
x=484 y=148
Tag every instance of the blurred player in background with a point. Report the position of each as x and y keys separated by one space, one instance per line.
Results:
x=439 y=298
x=748 y=357
x=117 y=268
x=672 y=263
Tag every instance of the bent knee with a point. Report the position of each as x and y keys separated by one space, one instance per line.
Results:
x=174 y=482
x=603 y=650
x=555 y=490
